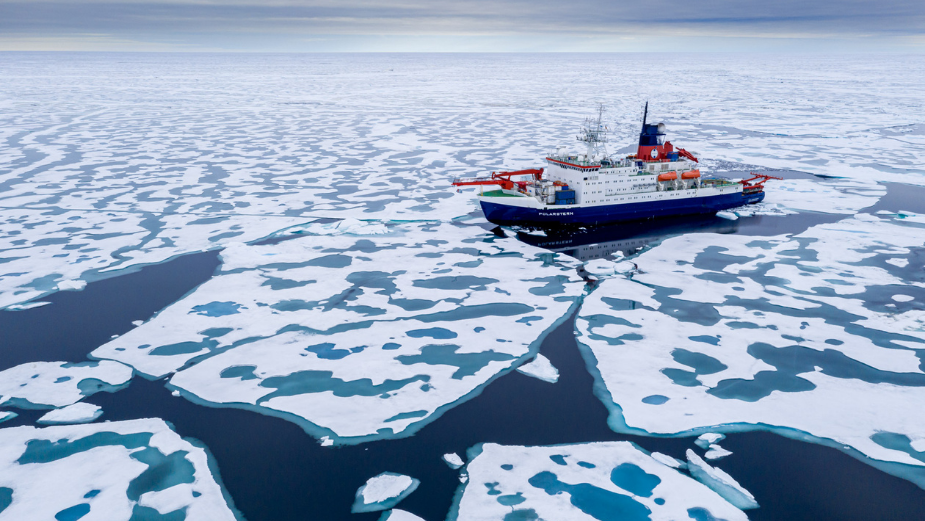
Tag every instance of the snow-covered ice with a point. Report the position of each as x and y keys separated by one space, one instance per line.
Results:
x=716 y=452
x=7 y=415
x=383 y=492
x=540 y=368
x=76 y=413
x=616 y=480
x=708 y=438
x=721 y=482
x=399 y=515
x=56 y=384
x=453 y=460
x=798 y=333
x=357 y=338
x=115 y=471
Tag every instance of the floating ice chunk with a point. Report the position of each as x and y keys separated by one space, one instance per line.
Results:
x=326 y=441
x=56 y=384
x=137 y=323
x=665 y=459
x=706 y=439
x=453 y=460
x=716 y=452
x=72 y=285
x=727 y=215
x=901 y=263
x=576 y=482
x=88 y=468
x=7 y=415
x=399 y=515
x=357 y=338
x=903 y=298
x=384 y=491
x=540 y=368
x=77 y=413
x=30 y=305
x=721 y=482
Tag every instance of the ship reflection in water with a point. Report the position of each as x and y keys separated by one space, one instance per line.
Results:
x=627 y=238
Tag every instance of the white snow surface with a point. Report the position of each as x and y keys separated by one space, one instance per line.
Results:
x=721 y=482
x=56 y=384
x=383 y=487
x=716 y=452
x=715 y=313
x=361 y=337
x=453 y=460
x=76 y=413
x=665 y=459
x=183 y=163
x=42 y=488
x=540 y=368
x=500 y=481
x=399 y=515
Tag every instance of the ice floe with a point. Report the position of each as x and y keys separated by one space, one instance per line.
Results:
x=384 y=491
x=115 y=471
x=540 y=368
x=56 y=384
x=609 y=480
x=354 y=337
x=721 y=482
x=399 y=515
x=708 y=438
x=7 y=415
x=453 y=460
x=76 y=413
x=794 y=333
x=716 y=452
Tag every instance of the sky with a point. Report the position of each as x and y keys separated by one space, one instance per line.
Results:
x=893 y=26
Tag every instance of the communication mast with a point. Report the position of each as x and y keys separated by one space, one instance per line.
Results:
x=594 y=136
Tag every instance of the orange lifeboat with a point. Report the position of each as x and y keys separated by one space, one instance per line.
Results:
x=667 y=176
x=693 y=174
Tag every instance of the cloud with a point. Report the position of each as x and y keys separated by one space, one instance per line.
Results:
x=516 y=24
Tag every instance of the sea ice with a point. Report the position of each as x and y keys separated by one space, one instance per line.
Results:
x=708 y=438
x=56 y=384
x=721 y=482
x=7 y=415
x=76 y=413
x=115 y=471
x=399 y=515
x=383 y=492
x=607 y=480
x=540 y=368
x=716 y=452
x=665 y=459
x=790 y=333
x=357 y=338
x=453 y=460
x=727 y=215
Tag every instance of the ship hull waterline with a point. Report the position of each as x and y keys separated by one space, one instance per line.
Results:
x=576 y=215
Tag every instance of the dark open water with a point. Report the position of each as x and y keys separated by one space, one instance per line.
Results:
x=274 y=471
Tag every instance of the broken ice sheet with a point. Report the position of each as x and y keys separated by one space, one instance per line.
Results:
x=357 y=338
x=57 y=384
x=383 y=492
x=75 y=413
x=138 y=469
x=790 y=333
x=609 y=480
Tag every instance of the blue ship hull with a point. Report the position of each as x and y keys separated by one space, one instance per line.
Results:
x=569 y=215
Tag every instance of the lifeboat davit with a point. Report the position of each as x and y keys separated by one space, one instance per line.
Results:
x=693 y=174
x=667 y=176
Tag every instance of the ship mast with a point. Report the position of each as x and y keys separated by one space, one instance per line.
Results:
x=594 y=136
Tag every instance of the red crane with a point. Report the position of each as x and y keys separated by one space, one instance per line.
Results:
x=500 y=178
x=748 y=186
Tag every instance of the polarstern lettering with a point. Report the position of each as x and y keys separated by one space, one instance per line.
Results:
x=548 y=214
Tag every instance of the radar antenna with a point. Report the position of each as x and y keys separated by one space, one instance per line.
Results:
x=594 y=135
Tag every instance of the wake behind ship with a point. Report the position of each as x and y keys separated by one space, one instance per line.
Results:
x=594 y=188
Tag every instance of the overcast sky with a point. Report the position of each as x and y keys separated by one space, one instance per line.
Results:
x=464 y=25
